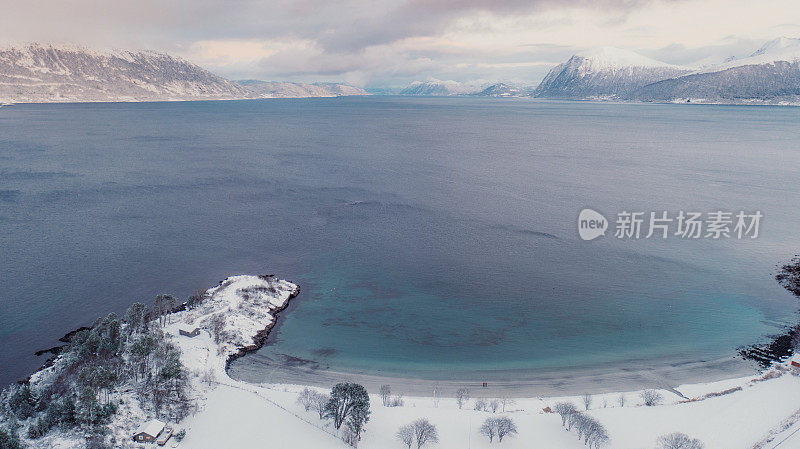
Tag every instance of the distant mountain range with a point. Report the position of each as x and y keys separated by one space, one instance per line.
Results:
x=439 y=88
x=35 y=73
x=280 y=89
x=771 y=75
x=47 y=73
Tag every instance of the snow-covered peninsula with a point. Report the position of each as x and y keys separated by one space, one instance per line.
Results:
x=236 y=316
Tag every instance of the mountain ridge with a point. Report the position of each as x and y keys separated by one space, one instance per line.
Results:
x=770 y=75
x=48 y=73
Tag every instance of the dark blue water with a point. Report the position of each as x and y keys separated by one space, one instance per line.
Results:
x=430 y=236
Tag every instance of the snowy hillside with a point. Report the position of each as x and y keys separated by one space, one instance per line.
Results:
x=46 y=73
x=276 y=89
x=501 y=90
x=434 y=87
x=769 y=75
x=604 y=73
x=780 y=49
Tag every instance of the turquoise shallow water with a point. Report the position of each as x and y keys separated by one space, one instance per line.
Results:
x=432 y=236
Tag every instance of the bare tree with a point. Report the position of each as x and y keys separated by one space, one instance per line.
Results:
x=621 y=400
x=651 y=397
x=494 y=404
x=425 y=432
x=406 y=435
x=599 y=438
x=396 y=401
x=462 y=396
x=197 y=298
x=505 y=427
x=208 y=377
x=489 y=428
x=575 y=419
x=678 y=440
x=216 y=325
x=386 y=392
x=565 y=409
x=164 y=305
x=587 y=400
x=304 y=398
x=349 y=436
x=318 y=403
x=505 y=400
x=480 y=404
x=436 y=394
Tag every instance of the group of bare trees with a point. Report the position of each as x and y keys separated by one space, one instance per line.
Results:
x=420 y=431
x=651 y=397
x=313 y=400
x=462 y=396
x=677 y=440
x=593 y=434
x=388 y=400
x=586 y=398
x=492 y=405
x=499 y=427
x=216 y=327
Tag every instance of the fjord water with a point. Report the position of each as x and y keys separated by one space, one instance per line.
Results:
x=431 y=237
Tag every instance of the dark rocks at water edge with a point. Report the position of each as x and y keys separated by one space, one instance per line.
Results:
x=781 y=346
x=777 y=350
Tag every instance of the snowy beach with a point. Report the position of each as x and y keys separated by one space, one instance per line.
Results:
x=746 y=412
x=542 y=382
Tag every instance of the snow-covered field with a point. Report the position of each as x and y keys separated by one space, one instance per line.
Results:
x=242 y=415
x=247 y=416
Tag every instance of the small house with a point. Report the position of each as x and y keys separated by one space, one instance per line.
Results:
x=149 y=431
x=189 y=331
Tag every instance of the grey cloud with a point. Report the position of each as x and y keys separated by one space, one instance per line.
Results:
x=345 y=25
x=414 y=18
x=352 y=37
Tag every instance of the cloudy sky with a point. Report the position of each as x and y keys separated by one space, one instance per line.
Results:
x=378 y=43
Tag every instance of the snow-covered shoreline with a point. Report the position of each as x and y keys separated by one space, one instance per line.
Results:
x=237 y=316
x=734 y=402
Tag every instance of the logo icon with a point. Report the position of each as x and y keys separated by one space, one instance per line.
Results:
x=591 y=224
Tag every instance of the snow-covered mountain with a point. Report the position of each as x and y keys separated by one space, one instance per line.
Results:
x=605 y=73
x=47 y=73
x=769 y=75
x=278 y=89
x=501 y=90
x=434 y=87
x=36 y=73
